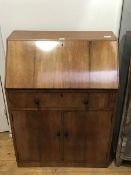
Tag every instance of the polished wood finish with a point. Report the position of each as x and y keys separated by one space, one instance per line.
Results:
x=65 y=133
x=50 y=137
x=8 y=164
x=20 y=64
x=68 y=91
x=26 y=123
x=45 y=35
x=60 y=67
x=62 y=64
x=103 y=65
x=80 y=129
x=87 y=100
x=46 y=127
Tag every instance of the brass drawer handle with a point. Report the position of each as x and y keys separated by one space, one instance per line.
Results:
x=37 y=101
x=61 y=94
x=66 y=134
x=58 y=134
x=86 y=102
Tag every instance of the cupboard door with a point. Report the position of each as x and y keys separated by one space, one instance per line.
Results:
x=86 y=136
x=26 y=131
x=50 y=135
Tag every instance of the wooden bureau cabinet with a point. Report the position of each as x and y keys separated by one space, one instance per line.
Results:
x=61 y=89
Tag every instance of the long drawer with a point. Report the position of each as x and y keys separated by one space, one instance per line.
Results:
x=60 y=100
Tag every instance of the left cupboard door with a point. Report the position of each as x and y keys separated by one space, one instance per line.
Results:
x=51 y=136
x=26 y=135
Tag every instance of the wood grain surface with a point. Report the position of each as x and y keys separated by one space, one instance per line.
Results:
x=20 y=64
x=62 y=98
x=76 y=35
x=85 y=126
x=104 y=65
x=81 y=116
x=86 y=100
x=64 y=64
x=8 y=164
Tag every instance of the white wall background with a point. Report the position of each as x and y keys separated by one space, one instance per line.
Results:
x=3 y=118
x=59 y=15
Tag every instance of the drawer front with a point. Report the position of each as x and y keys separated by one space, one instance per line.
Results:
x=59 y=100
x=99 y=100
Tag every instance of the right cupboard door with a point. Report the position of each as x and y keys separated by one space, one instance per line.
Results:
x=86 y=136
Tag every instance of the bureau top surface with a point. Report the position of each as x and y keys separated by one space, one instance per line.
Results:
x=61 y=63
x=67 y=35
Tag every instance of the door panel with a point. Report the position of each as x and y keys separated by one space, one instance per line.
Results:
x=50 y=135
x=60 y=66
x=74 y=136
x=26 y=128
x=86 y=136
x=20 y=64
x=103 y=64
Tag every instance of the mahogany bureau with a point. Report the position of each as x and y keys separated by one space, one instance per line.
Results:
x=61 y=89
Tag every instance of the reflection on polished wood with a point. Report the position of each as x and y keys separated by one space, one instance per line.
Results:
x=68 y=35
x=103 y=64
x=62 y=97
x=61 y=63
x=20 y=64
x=66 y=66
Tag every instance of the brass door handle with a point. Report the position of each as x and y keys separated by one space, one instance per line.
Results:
x=66 y=134
x=86 y=102
x=37 y=101
x=58 y=134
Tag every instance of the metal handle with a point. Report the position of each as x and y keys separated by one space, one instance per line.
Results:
x=37 y=101
x=66 y=134
x=58 y=134
x=86 y=102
